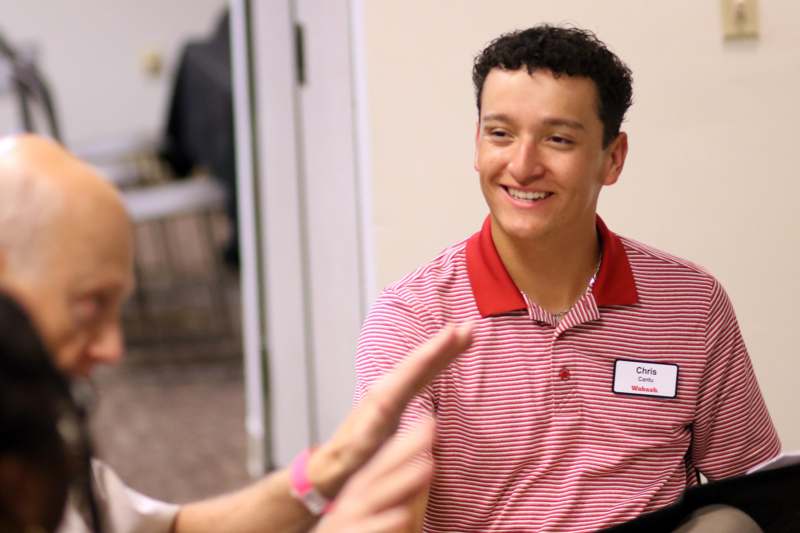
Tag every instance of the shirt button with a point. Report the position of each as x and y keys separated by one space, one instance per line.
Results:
x=564 y=374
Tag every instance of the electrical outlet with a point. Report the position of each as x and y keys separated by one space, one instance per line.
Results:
x=740 y=19
x=152 y=63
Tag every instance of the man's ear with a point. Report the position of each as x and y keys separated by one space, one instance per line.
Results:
x=3 y=264
x=616 y=154
x=477 y=140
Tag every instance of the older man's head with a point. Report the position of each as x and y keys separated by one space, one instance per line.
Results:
x=66 y=250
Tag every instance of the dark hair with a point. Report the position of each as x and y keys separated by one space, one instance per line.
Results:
x=563 y=51
x=41 y=425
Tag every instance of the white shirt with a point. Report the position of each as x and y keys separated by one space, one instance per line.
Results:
x=123 y=510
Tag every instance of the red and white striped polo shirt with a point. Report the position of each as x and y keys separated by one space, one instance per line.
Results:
x=531 y=436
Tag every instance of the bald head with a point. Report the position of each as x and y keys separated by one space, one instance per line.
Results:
x=27 y=206
x=41 y=184
x=65 y=248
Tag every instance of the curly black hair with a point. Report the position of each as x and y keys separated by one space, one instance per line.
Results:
x=563 y=51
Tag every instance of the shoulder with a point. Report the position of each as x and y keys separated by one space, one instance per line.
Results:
x=644 y=255
x=424 y=299
x=648 y=260
x=441 y=279
x=668 y=281
x=449 y=263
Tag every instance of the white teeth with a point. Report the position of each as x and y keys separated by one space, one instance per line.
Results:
x=527 y=195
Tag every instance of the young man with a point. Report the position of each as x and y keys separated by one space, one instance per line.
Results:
x=66 y=253
x=604 y=375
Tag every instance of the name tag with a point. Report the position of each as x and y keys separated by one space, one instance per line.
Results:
x=643 y=378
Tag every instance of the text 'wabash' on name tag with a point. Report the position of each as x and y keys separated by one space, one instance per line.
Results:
x=643 y=378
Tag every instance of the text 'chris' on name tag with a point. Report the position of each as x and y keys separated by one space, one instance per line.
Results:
x=643 y=378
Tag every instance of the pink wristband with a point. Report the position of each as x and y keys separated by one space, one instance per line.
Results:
x=302 y=489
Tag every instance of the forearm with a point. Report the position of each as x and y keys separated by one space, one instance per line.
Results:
x=268 y=505
x=265 y=506
x=388 y=493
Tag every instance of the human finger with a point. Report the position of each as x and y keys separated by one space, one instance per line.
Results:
x=368 y=426
x=401 y=488
x=389 y=521
x=376 y=417
x=402 y=451
x=398 y=387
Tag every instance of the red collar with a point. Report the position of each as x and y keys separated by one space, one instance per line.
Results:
x=496 y=293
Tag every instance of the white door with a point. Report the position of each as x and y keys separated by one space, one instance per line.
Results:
x=307 y=268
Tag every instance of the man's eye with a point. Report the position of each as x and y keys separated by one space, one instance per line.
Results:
x=87 y=308
x=557 y=139
x=498 y=134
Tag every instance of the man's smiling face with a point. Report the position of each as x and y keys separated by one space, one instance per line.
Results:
x=539 y=152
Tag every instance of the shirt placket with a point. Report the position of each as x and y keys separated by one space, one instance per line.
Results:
x=565 y=365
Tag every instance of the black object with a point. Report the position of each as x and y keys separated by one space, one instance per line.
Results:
x=200 y=130
x=771 y=498
x=42 y=428
x=31 y=90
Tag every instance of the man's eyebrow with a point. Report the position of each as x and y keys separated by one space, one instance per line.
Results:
x=568 y=123
x=496 y=117
x=555 y=121
x=105 y=287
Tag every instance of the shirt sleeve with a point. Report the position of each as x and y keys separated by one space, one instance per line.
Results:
x=394 y=327
x=123 y=510
x=732 y=429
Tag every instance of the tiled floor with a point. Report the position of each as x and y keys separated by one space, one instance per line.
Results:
x=170 y=419
x=174 y=431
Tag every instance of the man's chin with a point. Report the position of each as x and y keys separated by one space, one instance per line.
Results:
x=84 y=372
x=77 y=369
x=523 y=230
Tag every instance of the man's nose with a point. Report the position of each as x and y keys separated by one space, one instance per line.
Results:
x=526 y=162
x=108 y=346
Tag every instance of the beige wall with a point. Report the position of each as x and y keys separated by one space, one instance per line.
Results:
x=91 y=53
x=711 y=174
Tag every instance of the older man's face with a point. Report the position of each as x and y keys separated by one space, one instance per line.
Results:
x=79 y=268
x=87 y=275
